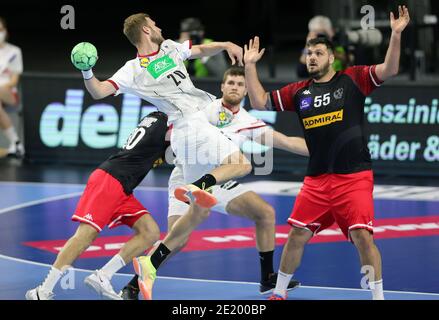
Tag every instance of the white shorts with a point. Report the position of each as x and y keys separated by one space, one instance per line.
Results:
x=199 y=147
x=224 y=194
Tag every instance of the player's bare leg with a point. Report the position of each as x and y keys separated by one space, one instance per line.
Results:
x=234 y=166
x=146 y=234
x=74 y=247
x=250 y=205
x=5 y=121
x=146 y=266
x=291 y=257
x=8 y=98
x=182 y=229
x=369 y=256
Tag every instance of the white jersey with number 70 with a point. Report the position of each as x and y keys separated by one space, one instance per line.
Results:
x=161 y=78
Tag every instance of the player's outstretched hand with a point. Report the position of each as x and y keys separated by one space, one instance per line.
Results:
x=235 y=53
x=398 y=25
x=252 y=53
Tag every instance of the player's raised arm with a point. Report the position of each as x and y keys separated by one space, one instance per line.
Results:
x=390 y=66
x=84 y=56
x=275 y=139
x=210 y=49
x=99 y=89
x=256 y=92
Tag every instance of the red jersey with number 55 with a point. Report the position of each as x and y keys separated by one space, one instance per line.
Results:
x=331 y=115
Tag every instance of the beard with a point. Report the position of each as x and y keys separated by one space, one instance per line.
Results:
x=319 y=73
x=157 y=38
x=232 y=100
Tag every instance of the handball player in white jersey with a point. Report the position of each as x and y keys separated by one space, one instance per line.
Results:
x=233 y=198
x=158 y=75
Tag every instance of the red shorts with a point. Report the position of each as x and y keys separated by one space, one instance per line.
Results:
x=342 y=198
x=104 y=202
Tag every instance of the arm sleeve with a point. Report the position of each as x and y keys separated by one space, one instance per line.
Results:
x=258 y=132
x=122 y=80
x=283 y=99
x=184 y=49
x=365 y=78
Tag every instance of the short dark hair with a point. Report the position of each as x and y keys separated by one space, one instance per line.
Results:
x=233 y=71
x=321 y=40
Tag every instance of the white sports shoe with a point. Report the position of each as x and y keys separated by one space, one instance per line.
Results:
x=102 y=285
x=39 y=294
x=16 y=150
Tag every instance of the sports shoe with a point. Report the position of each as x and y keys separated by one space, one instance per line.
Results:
x=277 y=297
x=39 y=294
x=191 y=193
x=102 y=285
x=268 y=285
x=129 y=293
x=16 y=150
x=147 y=274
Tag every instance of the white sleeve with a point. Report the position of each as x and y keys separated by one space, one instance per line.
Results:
x=122 y=79
x=184 y=49
x=255 y=127
x=255 y=130
x=16 y=62
x=256 y=133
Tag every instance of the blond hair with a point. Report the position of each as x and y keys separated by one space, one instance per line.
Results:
x=132 y=27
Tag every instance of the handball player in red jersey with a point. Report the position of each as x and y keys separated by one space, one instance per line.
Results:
x=339 y=181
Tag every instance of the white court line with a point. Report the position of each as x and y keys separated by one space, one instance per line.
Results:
x=289 y=189
x=212 y=281
x=40 y=201
x=71 y=195
x=54 y=184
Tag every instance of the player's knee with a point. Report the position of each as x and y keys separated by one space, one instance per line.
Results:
x=362 y=239
x=298 y=237
x=149 y=232
x=246 y=168
x=265 y=215
x=85 y=234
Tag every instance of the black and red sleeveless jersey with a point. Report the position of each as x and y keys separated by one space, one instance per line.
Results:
x=136 y=158
x=332 y=116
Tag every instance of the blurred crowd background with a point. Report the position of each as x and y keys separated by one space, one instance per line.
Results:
x=282 y=25
x=404 y=114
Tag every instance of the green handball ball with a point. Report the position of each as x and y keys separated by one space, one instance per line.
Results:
x=84 y=56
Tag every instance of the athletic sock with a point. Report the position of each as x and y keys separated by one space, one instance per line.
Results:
x=159 y=255
x=266 y=260
x=51 y=280
x=112 y=266
x=376 y=288
x=283 y=280
x=205 y=182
